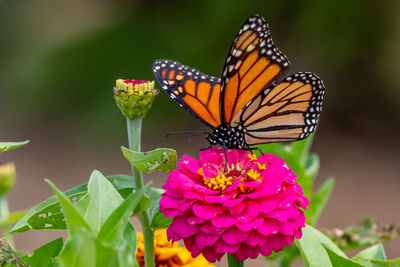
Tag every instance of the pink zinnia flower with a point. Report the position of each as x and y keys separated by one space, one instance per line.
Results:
x=253 y=206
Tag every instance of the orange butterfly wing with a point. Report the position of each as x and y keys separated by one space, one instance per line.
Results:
x=253 y=63
x=284 y=112
x=194 y=91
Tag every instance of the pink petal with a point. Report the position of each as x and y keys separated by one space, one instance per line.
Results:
x=253 y=239
x=172 y=235
x=191 y=246
x=266 y=250
x=298 y=234
x=251 y=212
x=189 y=165
x=247 y=252
x=208 y=228
x=211 y=255
x=267 y=205
x=186 y=205
x=233 y=202
x=192 y=195
x=172 y=192
x=205 y=240
x=192 y=220
x=284 y=215
x=278 y=242
x=207 y=211
x=222 y=247
x=269 y=227
x=169 y=202
x=218 y=199
x=210 y=171
x=171 y=212
x=257 y=222
x=237 y=209
x=179 y=225
x=233 y=236
x=223 y=221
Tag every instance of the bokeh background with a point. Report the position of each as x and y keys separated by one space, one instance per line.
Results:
x=59 y=61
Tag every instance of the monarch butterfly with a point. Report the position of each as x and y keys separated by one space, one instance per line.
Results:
x=254 y=102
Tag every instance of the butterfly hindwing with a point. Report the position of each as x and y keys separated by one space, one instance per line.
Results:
x=253 y=63
x=287 y=111
x=194 y=91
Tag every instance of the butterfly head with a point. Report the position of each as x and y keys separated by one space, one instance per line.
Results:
x=212 y=139
x=230 y=137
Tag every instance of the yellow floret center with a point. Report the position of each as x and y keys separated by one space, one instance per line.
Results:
x=219 y=183
x=261 y=167
x=224 y=179
x=252 y=157
x=254 y=175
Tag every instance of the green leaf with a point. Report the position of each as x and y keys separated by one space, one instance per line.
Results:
x=301 y=149
x=47 y=215
x=312 y=250
x=312 y=165
x=6 y=146
x=364 y=234
x=85 y=250
x=389 y=263
x=293 y=160
x=112 y=230
x=143 y=205
x=79 y=250
x=318 y=201
x=163 y=159
x=45 y=255
x=127 y=249
x=74 y=219
x=338 y=260
x=101 y=200
x=158 y=219
x=376 y=252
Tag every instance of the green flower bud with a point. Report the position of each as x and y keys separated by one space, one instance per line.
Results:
x=7 y=177
x=134 y=98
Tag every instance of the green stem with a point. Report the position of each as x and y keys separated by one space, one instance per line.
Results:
x=233 y=262
x=134 y=136
x=4 y=213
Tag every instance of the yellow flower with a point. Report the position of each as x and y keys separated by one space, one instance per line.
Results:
x=168 y=254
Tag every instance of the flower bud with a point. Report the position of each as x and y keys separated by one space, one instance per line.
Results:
x=134 y=97
x=7 y=177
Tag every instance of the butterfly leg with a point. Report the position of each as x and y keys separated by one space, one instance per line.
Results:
x=226 y=157
x=210 y=147
x=259 y=150
x=252 y=149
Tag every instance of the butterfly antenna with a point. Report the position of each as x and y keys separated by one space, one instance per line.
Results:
x=186 y=132
x=194 y=134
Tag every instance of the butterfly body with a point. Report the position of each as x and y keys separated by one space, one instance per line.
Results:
x=232 y=137
x=254 y=102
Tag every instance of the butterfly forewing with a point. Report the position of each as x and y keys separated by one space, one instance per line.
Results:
x=196 y=92
x=287 y=111
x=253 y=63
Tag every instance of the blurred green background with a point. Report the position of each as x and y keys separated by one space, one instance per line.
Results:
x=59 y=61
